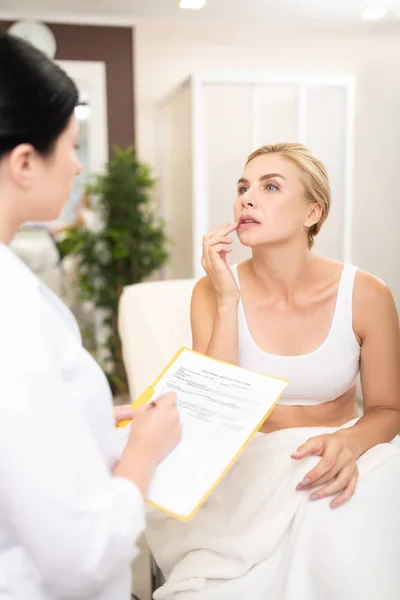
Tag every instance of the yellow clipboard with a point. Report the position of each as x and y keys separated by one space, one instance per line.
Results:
x=145 y=396
x=149 y=392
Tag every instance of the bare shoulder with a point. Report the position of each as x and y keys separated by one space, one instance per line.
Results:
x=373 y=303
x=203 y=296
x=203 y=288
x=369 y=289
x=203 y=285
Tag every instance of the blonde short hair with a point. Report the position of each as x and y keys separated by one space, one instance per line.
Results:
x=313 y=175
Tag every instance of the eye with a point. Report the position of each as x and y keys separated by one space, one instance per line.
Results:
x=242 y=190
x=271 y=187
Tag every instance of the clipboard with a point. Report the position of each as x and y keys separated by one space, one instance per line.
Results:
x=149 y=393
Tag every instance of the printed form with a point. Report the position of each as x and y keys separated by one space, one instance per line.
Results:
x=221 y=407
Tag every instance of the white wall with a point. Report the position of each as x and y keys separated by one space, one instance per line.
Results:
x=167 y=52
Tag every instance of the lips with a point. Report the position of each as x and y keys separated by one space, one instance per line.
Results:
x=248 y=220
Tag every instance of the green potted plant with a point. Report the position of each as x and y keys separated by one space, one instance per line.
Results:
x=128 y=246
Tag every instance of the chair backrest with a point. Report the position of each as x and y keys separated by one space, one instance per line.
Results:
x=154 y=322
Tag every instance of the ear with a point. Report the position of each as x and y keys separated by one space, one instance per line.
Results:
x=314 y=215
x=21 y=165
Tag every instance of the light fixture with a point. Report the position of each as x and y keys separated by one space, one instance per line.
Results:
x=192 y=4
x=38 y=34
x=373 y=14
x=82 y=112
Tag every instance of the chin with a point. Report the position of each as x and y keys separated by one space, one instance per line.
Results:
x=252 y=241
x=55 y=213
x=247 y=238
x=49 y=210
x=248 y=244
x=50 y=217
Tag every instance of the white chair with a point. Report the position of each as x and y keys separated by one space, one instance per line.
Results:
x=154 y=322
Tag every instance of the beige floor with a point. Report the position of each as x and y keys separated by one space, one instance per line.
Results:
x=141 y=573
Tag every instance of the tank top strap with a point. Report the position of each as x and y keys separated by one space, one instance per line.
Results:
x=343 y=317
x=235 y=273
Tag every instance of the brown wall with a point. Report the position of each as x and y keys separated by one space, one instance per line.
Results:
x=113 y=46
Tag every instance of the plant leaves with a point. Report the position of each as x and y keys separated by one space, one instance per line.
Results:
x=131 y=245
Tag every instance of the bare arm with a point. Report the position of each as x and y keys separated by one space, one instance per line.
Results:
x=214 y=326
x=377 y=325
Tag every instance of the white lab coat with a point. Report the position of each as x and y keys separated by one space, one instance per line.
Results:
x=67 y=527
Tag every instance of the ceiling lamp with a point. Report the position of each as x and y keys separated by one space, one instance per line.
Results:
x=192 y=4
x=82 y=112
x=373 y=14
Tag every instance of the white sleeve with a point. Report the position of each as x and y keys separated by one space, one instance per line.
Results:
x=78 y=524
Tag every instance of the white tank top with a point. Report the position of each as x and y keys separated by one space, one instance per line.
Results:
x=319 y=376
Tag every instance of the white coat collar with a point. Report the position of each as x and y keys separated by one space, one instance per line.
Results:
x=17 y=270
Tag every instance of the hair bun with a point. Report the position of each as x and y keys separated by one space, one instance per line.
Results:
x=37 y=98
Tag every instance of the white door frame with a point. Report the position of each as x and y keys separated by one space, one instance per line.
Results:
x=199 y=158
x=91 y=75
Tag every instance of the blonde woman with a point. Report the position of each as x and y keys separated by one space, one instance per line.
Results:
x=268 y=532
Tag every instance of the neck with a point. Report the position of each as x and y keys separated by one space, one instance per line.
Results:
x=285 y=269
x=9 y=224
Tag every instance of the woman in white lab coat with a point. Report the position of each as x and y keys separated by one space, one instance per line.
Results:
x=71 y=508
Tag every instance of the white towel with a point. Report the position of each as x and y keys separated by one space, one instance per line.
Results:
x=257 y=538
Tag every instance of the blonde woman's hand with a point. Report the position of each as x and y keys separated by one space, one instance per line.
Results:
x=215 y=249
x=336 y=474
x=156 y=428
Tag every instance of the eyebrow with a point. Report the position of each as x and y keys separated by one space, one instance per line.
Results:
x=263 y=177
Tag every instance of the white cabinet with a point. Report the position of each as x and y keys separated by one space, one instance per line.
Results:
x=211 y=123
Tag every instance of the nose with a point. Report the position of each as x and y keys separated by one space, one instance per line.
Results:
x=248 y=201
x=79 y=167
